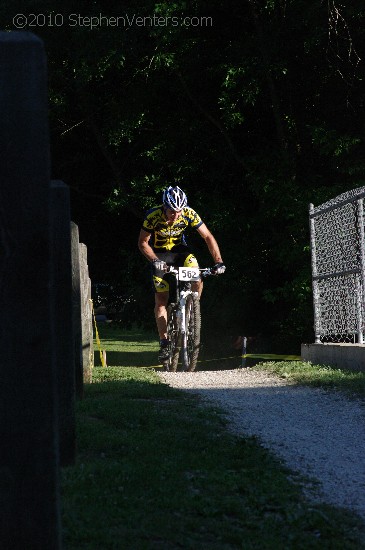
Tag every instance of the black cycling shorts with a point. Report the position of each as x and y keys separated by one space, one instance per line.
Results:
x=180 y=256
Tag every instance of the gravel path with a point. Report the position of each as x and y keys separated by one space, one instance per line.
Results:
x=317 y=433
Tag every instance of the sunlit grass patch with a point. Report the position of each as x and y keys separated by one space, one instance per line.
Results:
x=303 y=372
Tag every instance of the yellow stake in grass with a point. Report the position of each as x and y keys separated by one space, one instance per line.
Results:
x=102 y=354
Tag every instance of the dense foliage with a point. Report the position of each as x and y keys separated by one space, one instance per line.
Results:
x=255 y=108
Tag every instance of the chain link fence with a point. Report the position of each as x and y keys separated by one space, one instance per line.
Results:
x=338 y=268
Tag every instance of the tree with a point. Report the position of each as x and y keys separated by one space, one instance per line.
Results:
x=255 y=108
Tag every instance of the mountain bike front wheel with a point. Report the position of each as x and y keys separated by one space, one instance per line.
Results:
x=192 y=334
x=174 y=335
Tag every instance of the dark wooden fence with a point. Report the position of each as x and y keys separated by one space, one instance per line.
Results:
x=86 y=316
x=46 y=325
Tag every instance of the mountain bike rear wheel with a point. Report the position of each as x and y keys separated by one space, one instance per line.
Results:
x=192 y=339
x=174 y=335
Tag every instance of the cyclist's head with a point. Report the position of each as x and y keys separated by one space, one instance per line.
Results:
x=174 y=198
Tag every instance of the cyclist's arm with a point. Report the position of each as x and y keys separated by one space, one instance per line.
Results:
x=211 y=243
x=145 y=248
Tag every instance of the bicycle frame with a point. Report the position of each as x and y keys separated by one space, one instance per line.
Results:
x=180 y=310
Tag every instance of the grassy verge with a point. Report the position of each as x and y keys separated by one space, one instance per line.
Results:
x=302 y=372
x=132 y=348
x=156 y=470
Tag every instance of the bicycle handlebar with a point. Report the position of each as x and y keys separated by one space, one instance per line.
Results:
x=205 y=271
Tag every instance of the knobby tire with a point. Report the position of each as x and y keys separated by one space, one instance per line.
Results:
x=193 y=324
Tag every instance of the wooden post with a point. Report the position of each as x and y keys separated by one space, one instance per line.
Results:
x=62 y=318
x=76 y=310
x=90 y=323
x=86 y=316
x=29 y=470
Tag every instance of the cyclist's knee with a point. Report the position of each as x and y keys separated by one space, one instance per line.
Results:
x=161 y=299
x=197 y=286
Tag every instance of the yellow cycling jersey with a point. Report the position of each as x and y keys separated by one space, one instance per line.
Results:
x=165 y=236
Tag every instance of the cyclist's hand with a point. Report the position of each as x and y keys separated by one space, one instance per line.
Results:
x=159 y=265
x=218 y=269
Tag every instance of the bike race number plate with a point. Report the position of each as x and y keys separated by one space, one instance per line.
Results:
x=189 y=274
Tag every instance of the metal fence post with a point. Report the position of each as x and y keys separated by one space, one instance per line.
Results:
x=316 y=304
x=361 y=289
x=244 y=351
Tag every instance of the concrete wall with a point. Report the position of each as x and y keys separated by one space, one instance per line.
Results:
x=341 y=356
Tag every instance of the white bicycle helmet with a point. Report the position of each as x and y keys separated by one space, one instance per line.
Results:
x=174 y=198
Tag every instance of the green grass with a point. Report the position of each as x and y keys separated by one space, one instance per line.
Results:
x=137 y=348
x=157 y=470
x=133 y=347
x=302 y=372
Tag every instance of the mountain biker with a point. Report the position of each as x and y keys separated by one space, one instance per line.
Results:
x=162 y=241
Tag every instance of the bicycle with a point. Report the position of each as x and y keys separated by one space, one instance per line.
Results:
x=183 y=318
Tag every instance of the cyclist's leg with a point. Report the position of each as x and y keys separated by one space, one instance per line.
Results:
x=161 y=288
x=161 y=299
